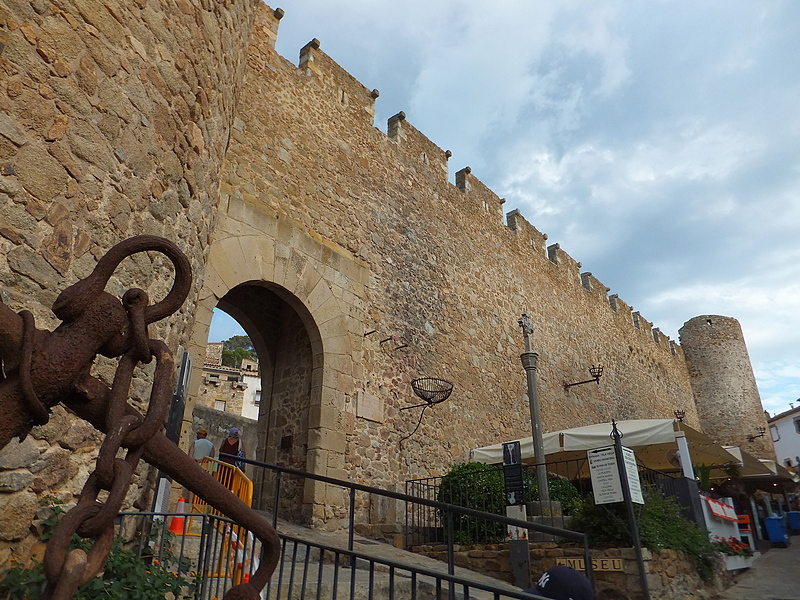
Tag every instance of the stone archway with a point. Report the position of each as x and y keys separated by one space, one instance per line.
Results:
x=295 y=285
x=290 y=356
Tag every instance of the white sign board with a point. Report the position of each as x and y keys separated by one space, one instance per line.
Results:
x=605 y=475
x=517 y=512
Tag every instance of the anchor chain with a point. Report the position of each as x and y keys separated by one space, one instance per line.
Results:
x=53 y=367
x=94 y=518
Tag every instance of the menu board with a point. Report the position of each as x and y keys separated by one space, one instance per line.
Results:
x=605 y=475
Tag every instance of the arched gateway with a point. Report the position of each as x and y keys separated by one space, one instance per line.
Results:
x=300 y=301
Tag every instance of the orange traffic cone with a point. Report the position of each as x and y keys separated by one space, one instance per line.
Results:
x=177 y=523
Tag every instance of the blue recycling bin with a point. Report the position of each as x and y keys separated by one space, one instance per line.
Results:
x=776 y=530
x=793 y=516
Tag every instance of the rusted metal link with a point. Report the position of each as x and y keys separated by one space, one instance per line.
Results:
x=93 y=322
x=41 y=368
x=39 y=414
x=73 y=301
x=57 y=558
x=135 y=302
x=160 y=396
x=114 y=476
x=166 y=456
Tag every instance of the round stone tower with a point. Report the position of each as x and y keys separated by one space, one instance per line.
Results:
x=725 y=391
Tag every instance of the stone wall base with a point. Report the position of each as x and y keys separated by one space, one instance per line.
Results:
x=670 y=573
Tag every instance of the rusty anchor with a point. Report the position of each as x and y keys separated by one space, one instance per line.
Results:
x=39 y=369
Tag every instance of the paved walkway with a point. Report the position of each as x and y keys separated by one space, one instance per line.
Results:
x=381 y=550
x=774 y=576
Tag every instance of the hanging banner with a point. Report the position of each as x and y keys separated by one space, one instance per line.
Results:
x=605 y=475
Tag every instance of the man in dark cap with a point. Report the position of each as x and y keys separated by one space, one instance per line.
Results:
x=563 y=583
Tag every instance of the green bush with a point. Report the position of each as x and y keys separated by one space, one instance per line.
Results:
x=561 y=490
x=480 y=487
x=661 y=525
x=126 y=575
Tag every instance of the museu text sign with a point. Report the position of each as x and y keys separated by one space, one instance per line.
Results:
x=598 y=564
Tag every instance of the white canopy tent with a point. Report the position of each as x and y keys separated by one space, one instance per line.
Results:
x=654 y=442
x=777 y=469
x=749 y=464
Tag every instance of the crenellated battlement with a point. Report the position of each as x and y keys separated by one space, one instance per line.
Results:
x=431 y=161
x=525 y=232
x=418 y=147
x=479 y=194
x=342 y=88
x=270 y=25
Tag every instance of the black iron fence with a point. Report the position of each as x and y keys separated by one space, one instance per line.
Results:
x=206 y=560
x=210 y=553
x=358 y=507
x=206 y=554
x=483 y=489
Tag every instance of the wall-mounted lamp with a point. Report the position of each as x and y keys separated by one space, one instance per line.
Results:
x=595 y=372
x=761 y=431
x=433 y=391
x=679 y=414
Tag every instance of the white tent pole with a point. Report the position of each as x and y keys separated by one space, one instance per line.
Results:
x=686 y=458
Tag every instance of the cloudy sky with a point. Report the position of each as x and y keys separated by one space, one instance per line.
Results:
x=657 y=141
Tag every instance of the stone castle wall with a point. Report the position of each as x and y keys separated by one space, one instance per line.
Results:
x=114 y=120
x=179 y=119
x=448 y=278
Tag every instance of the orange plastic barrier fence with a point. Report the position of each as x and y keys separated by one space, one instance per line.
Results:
x=231 y=561
x=231 y=477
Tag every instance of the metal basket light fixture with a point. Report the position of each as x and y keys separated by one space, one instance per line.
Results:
x=595 y=371
x=432 y=390
x=761 y=431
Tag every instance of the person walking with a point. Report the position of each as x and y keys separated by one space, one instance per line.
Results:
x=198 y=450
x=201 y=447
x=233 y=446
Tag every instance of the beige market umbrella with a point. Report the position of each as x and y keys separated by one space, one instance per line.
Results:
x=654 y=442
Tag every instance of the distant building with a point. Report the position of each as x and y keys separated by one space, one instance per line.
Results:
x=228 y=389
x=785 y=431
x=252 y=394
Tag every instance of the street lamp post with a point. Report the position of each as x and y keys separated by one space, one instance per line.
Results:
x=529 y=362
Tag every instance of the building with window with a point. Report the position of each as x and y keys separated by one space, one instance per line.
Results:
x=251 y=377
x=785 y=431
x=228 y=389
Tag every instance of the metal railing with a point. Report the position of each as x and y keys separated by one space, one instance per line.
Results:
x=208 y=554
x=569 y=483
x=361 y=497
x=210 y=565
x=212 y=553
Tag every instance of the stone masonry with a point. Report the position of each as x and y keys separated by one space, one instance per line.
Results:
x=114 y=119
x=670 y=574
x=350 y=259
